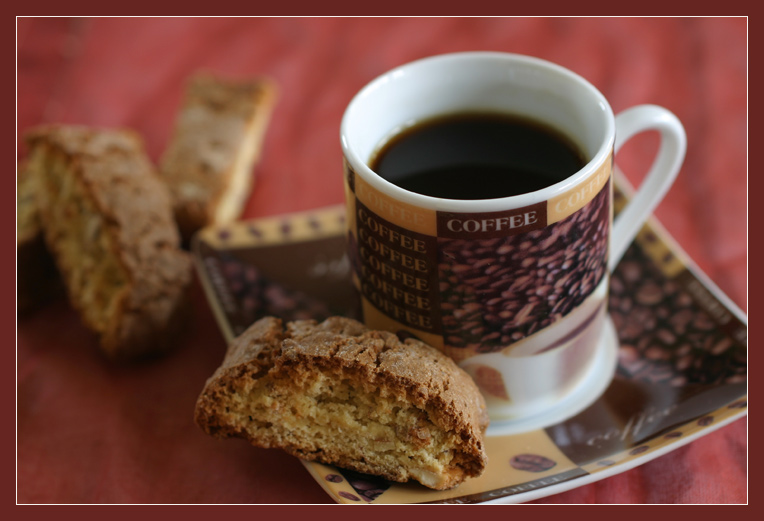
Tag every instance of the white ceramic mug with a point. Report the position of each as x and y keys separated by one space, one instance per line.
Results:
x=513 y=288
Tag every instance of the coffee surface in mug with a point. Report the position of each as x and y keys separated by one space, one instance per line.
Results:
x=477 y=155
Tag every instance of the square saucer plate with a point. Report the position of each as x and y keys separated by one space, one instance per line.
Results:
x=680 y=372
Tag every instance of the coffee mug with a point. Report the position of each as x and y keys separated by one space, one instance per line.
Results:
x=512 y=287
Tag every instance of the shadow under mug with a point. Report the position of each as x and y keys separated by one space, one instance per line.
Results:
x=513 y=288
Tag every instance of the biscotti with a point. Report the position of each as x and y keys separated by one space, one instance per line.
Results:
x=36 y=278
x=108 y=224
x=216 y=142
x=339 y=393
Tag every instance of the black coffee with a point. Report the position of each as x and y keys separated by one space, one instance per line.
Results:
x=477 y=156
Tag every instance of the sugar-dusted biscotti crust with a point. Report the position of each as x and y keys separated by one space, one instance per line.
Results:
x=108 y=224
x=339 y=393
x=217 y=140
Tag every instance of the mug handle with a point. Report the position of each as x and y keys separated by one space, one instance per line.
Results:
x=658 y=179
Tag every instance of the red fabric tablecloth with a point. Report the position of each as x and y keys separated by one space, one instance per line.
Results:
x=90 y=431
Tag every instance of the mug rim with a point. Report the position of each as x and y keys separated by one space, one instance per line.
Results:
x=361 y=167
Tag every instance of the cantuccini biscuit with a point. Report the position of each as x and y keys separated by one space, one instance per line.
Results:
x=36 y=278
x=339 y=393
x=216 y=142
x=108 y=224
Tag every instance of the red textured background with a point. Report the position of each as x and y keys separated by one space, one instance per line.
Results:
x=90 y=431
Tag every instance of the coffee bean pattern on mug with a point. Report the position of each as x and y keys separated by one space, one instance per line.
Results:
x=497 y=291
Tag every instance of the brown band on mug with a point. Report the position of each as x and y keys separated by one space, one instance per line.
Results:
x=474 y=283
x=396 y=274
x=392 y=259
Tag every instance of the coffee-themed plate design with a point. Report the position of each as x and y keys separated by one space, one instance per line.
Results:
x=680 y=367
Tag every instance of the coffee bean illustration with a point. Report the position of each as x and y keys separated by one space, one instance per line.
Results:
x=500 y=290
x=666 y=337
x=531 y=463
x=257 y=296
x=369 y=490
x=372 y=494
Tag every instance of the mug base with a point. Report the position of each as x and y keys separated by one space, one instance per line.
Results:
x=589 y=388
